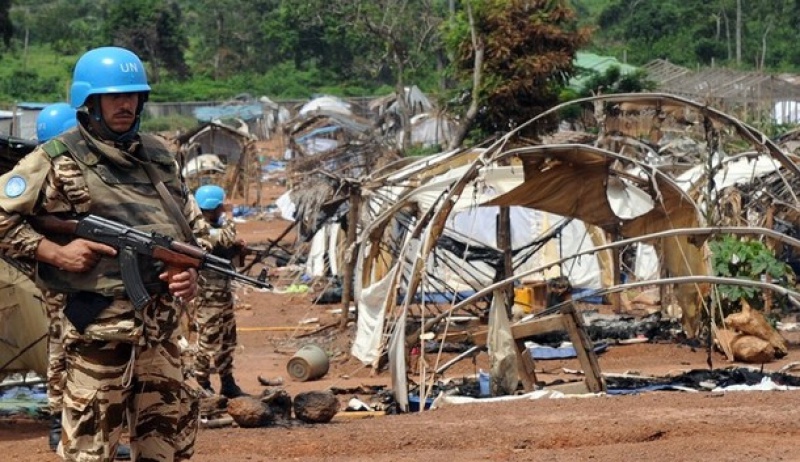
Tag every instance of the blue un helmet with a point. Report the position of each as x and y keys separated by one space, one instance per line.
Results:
x=209 y=197
x=54 y=120
x=109 y=70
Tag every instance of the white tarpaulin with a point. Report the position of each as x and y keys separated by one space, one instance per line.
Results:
x=326 y=103
x=369 y=332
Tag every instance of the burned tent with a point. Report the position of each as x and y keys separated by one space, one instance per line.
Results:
x=328 y=154
x=214 y=152
x=623 y=179
x=259 y=118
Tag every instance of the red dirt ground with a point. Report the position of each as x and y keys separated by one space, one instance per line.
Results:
x=658 y=426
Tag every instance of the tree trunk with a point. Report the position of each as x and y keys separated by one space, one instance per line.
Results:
x=727 y=34
x=764 y=46
x=350 y=254
x=738 y=32
x=472 y=111
x=402 y=101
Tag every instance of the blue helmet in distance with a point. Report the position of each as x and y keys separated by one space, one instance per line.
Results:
x=54 y=120
x=209 y=197
x=107 y=70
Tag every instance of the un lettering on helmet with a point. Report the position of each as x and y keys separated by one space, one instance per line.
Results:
x=107 y=70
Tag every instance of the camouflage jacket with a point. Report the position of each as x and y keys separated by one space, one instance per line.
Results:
x=76 y=174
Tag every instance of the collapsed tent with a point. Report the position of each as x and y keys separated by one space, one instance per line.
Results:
x=622 y=180
x=467 y=256
x=216 y=153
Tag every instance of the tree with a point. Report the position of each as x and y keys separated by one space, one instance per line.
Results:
x=529 y=48
x=6 y=27
x=407 y=32
x=151 y=29
x=230 y=36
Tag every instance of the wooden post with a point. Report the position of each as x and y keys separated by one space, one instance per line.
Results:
x=350 y=253
x=526 y=365
x=573 y=323
x=504 y=244
x=615 y=298
x=766 y=293
x=568 y=320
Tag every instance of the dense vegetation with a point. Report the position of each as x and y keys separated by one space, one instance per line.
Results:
x=203 y=49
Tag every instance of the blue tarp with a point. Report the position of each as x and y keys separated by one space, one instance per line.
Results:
x=317 y=132
x=565 y=352
x=244 y=112
x=23 y=399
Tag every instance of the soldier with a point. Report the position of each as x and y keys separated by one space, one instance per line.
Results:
x=123 y=362
x=215 y=318
x=52 y=121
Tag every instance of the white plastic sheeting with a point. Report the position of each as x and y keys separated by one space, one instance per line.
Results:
x=326 y=103
x=203 y=163
x=286 y=206
x=323 y=252
x=427 y=130
x=786 y=112
x=737 y=171
x=369 y=332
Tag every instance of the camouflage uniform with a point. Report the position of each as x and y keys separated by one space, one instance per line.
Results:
x=215 y=318
x=191 y=391
x=56 y=361
x=126 y=359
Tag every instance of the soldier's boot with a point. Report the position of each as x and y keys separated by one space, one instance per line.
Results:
x=228 y=387
x=55 y=432
x=206 y=385
x=123 y=452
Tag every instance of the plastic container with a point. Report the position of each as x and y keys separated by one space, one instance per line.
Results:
x=413 y=403
x=484 y=380
x=309 y=363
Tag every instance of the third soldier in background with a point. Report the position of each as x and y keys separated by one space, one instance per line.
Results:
x=216 y=322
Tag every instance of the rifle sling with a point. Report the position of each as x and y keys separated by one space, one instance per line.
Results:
x=169 y=202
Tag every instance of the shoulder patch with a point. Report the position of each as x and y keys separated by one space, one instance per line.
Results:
x=55 y=148
x=15 y=186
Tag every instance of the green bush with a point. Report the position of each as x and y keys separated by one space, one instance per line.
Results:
x=745 y=259
x=171 y=123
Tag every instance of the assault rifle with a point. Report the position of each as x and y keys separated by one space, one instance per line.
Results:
x=130 y=243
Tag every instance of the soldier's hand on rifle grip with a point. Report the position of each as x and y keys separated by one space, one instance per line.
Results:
x=182 y=282
x=77 y=256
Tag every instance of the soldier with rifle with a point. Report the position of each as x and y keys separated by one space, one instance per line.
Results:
x=121 y=260
x=53 y=120
x=214 y=305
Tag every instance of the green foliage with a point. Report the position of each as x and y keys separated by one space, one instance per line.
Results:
x=691 y=32
x=529 y=52
x=422 y=151
x=745 y=259
x=173 y=123
x=613 y=81
x=27 y=85
x=152 y=29
x=40 y=75
x=292 y=48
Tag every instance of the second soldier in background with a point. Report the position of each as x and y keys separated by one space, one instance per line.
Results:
x=216 y=322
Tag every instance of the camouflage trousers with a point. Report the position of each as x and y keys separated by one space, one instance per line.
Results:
x=216 y=335
x=189 y=421
x=56 y=361
x=140 y=378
